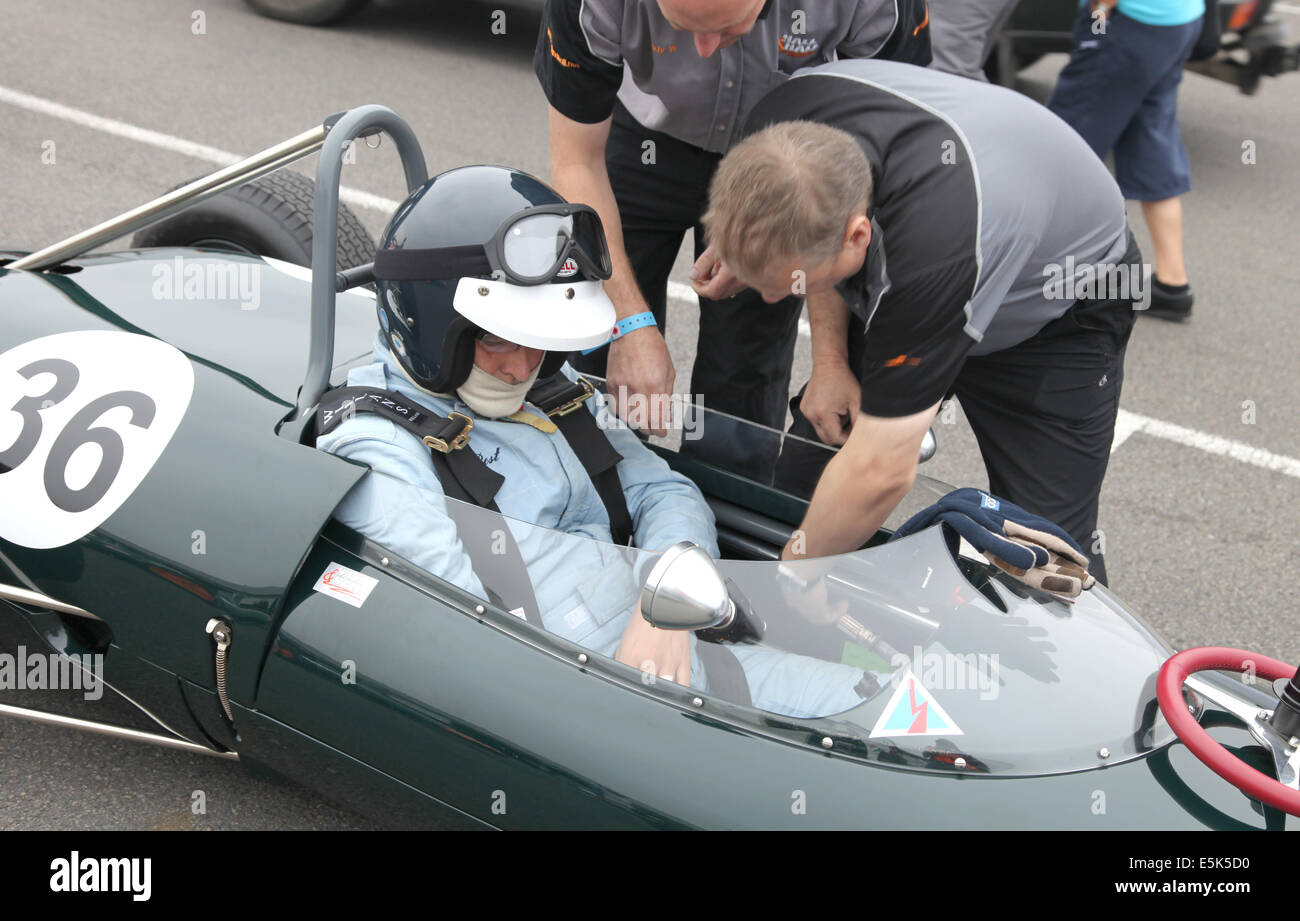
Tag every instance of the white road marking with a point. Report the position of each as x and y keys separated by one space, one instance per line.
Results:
x=168 y=142
x=1204 y=441
x=1286 y=8
x=1125 y=425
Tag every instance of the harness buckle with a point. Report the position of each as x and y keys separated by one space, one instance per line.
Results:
x=588 y=391
x=458 y=437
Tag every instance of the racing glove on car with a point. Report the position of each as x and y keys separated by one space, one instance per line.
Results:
x=1028 y=547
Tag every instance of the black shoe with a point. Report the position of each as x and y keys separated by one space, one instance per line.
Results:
x=1170 y=302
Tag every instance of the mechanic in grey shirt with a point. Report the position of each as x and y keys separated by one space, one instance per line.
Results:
x=957 y=238
x=645 y=95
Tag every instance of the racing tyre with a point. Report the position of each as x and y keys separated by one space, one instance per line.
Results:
x=270 y=216
x=307 y=12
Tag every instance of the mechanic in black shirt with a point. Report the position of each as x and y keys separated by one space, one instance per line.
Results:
x=953 y=237
x=645 y=97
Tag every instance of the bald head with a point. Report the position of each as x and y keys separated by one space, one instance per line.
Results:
x=713 y=24
x=789 y=191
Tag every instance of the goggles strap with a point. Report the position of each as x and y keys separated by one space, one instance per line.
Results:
x=431 y=264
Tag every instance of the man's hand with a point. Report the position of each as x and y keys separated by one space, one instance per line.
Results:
x=813 y=603
x=712 y=279
x=640 y=378
x=832 y=400
x=664 y=653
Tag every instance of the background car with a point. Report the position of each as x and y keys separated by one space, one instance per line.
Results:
x=1254 y=43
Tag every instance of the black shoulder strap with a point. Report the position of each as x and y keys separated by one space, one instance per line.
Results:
x=562 y=400
x=463 y=476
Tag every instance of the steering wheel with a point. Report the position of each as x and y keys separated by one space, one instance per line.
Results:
x=1169 y=691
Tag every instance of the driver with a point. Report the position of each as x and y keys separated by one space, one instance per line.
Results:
x=487 y=279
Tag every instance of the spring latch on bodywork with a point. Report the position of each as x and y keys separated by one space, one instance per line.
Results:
x=222 y=636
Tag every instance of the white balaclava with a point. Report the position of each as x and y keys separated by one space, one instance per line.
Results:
x=492 y=397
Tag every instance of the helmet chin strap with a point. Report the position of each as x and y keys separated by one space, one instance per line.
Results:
x=493 y=398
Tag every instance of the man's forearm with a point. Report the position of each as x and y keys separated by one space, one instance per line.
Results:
x=850 y=504
x=828 y=314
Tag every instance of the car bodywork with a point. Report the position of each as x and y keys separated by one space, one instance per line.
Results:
x=424 y=705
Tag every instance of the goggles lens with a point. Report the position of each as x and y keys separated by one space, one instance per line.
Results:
x=539 y=246
x=535 y=245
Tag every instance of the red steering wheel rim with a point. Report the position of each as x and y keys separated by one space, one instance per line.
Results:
x=1169 y=691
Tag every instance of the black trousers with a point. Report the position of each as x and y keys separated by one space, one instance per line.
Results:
x=745 y=346
x=1042 y=411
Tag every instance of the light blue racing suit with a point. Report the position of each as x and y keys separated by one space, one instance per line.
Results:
x=585 y=587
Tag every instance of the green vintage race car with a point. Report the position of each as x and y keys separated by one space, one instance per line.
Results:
x=162 y=505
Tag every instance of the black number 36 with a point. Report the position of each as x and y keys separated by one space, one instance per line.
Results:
x=77 y=432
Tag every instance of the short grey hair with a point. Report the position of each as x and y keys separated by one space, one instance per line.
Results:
x=787 y=191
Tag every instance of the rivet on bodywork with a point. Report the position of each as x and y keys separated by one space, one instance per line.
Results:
x=582 y=658
x=959 y=762
x=383 y=561
x=828 y=742
x=697 y=701
x=483 y=292
x=569 y=293
x=478 y=609
x=1103 y=753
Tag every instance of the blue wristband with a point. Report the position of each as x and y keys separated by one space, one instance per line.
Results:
x=625 y=326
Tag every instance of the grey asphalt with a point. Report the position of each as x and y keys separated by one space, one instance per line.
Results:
x=1199 y=545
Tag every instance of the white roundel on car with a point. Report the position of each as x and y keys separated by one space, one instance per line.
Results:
x=83 y=418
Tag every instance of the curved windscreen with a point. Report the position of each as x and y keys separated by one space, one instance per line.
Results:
x=897 y=653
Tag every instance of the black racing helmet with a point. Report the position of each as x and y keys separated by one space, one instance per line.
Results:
x=489 y=249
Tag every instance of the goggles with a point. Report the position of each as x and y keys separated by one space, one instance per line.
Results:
x=533 y=247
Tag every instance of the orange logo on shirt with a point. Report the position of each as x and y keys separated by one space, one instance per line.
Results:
x=660 y=49
x=925 y=22
x=900 y=360
x=564 y=62
x=797 y=47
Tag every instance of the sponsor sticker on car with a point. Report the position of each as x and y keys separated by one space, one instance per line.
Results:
x=913 y=711
x=347 y=585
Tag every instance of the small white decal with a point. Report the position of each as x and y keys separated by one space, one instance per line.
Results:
x=345 y=584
